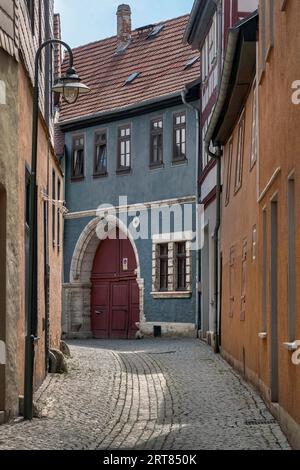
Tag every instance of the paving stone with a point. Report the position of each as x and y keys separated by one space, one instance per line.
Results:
x=148 y=394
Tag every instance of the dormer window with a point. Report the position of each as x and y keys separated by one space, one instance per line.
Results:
x=191 y=62
x=131 y=78
x=156 y=30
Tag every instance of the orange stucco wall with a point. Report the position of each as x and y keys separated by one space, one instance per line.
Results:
x=239 y=217
x=278 y=159
x=279 y=149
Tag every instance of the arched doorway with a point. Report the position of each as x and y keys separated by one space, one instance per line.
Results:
x=115 y=303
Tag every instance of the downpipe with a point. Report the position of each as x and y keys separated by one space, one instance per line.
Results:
x=216 y=156
x=197 y=113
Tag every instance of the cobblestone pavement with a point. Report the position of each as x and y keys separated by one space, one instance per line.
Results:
x=149 y=394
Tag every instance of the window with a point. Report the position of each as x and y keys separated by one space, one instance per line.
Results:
x=156 y=30
x=124 y=152
x=53 y=207
x=78 y=157
x=131 y=78
x=266 y=30
x=229 y=165
x=254 y=136
x=100 y=161
x=181 y=266
x=270 y=42
x=262 y=29
x=191 y=62
x=156 y=144
x=291 y=261
x=244 y=281
x=30 y=8
x=58 y=212
x=209 y=51
x=172 y=265
x=240 y=154
x=163 y=267
x=179 y=153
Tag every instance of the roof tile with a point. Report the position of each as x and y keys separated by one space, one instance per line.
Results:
x=161 y=62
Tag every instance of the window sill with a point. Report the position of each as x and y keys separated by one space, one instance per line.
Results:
x=182 y=161
x=77 y=179
x=291 y=346
x=100 y=175
x=124 y=171
x=172 y=295
x=155 y=166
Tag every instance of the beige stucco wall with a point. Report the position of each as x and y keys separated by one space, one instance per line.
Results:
x=9 y=183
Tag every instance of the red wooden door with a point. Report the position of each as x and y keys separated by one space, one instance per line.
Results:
x=115 y=292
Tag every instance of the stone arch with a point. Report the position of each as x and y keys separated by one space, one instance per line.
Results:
x=86 y=247
x=78 y=291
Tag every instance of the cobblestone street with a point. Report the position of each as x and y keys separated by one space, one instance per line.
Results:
x=163 y=394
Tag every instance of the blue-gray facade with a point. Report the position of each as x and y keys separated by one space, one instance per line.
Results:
x=167 y=184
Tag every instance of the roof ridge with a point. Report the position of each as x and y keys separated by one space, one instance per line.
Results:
x=133 y=31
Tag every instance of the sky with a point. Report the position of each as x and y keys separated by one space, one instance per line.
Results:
x=85 y=21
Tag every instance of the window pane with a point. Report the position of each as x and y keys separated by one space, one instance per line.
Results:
x=101 y=158
x=122 y=148
x=183 y=135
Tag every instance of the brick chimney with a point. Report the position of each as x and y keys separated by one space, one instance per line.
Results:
x=124 y=25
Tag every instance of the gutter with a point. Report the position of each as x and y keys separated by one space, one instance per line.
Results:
x=198 y=115
x=233 y=40
x=118 y=113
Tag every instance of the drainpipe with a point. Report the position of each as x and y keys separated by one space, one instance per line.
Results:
x=216 y=156
x=197 y=113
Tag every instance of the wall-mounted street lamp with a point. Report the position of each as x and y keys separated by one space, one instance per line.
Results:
x=70 y=87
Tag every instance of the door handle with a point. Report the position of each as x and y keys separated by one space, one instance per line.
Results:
x=99 y=312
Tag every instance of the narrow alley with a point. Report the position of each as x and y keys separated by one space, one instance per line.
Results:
x=148 y=394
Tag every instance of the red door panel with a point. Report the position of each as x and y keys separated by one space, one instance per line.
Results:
x=106 y=262
x=134 y=317
x=115 y=292
x=127 y=258
x=100 y=310
x=119 y=310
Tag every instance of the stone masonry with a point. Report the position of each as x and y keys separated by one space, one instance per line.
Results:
x=150 y=394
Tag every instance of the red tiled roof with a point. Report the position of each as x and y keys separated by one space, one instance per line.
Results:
x=160 y=61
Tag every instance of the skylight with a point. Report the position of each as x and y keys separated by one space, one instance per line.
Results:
x=155 y=31
x=122 y=47
x=132 y=77
x=191 y=62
